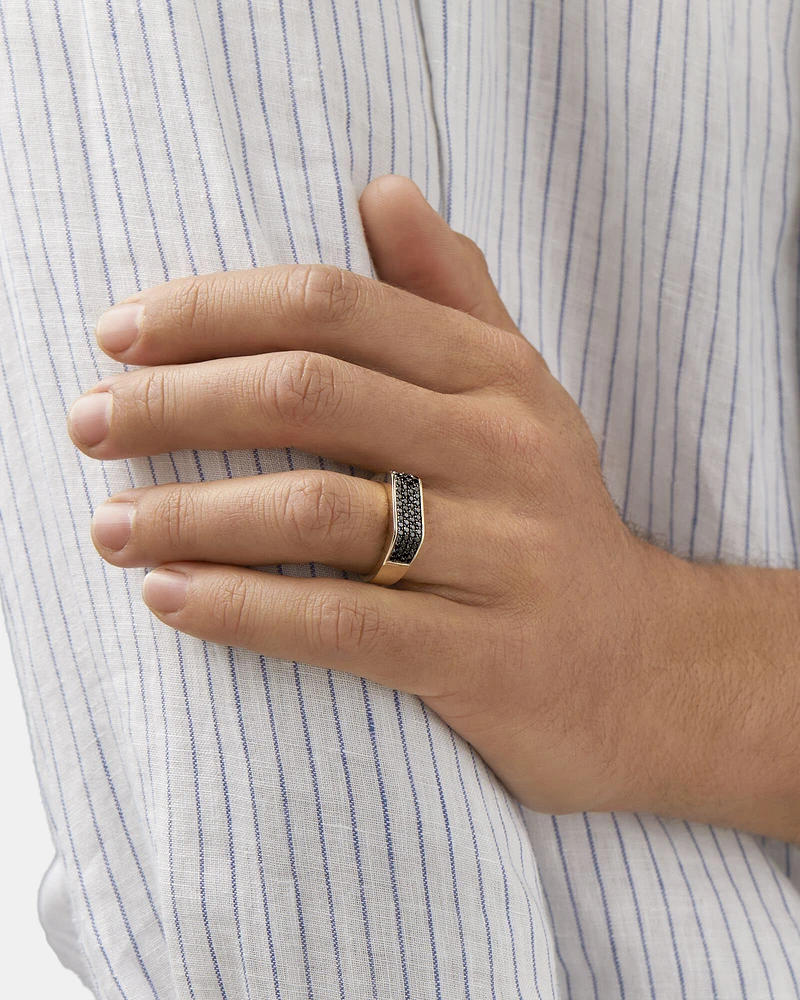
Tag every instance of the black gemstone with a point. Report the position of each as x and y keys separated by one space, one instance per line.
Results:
x=409 y=518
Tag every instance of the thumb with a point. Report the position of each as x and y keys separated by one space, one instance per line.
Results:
x=413 y=248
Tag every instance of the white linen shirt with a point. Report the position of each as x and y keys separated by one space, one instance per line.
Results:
x=234 y=826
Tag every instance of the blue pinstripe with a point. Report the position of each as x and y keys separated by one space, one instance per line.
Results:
x=698 y=921
x=636 y=906
x=420 y=834
x=64 y=618
x=665 y=899
x=624 y=240
x=481 y=888
x=53 y=757
x=611 y=942
x=710 y=357
x=321 y=830
x=648 y=164
x=745 y=911
x=446 y=818
x=602 y=214
x=348 y=261
x=766 y=909
x=689 y=291
x=256 y=828
x=777 y=322
x=288 y=825
x=389 y=842
x=574 y=905
x=505 y=891
x=768 y=493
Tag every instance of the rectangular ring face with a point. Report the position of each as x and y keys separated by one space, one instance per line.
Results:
x=409 y=521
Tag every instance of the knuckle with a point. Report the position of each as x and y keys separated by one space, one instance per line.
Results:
x=313 y=509
x=514 y=437
x=474 y=251
x=193 y=301
x=322 y=294
x=306 y=387
x=348 y=627
x=528 y=442
x=175 y=511
x=520 y=366
x=152 y=397
x=231 y=605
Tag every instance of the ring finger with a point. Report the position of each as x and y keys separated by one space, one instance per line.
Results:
x=284 y=517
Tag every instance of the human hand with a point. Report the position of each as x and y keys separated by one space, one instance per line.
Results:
x=527 y=621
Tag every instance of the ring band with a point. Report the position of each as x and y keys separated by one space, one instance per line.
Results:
x=407 y=529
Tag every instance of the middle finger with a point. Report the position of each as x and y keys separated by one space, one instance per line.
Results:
x=299 y=399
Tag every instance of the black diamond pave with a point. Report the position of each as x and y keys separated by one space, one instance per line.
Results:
x=409 y=518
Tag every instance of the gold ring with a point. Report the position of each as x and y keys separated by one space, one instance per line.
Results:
x=406 y=530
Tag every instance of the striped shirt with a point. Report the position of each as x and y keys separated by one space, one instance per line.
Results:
x=233 y=826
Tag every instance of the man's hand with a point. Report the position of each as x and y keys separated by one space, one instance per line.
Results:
x=575 y=657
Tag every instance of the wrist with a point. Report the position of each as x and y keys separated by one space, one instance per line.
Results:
x=655 y=726
x=718 y=727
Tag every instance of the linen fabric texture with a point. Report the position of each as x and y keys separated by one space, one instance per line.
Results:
x=228 y=825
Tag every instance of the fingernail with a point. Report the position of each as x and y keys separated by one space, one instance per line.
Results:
x=112 y=524
x=89 y=418
x=117 y=328
x=164 y=590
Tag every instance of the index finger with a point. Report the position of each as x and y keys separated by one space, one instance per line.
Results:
x=312 y=307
